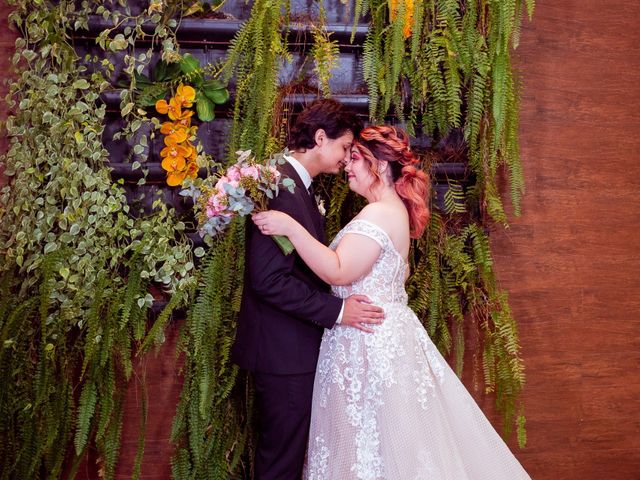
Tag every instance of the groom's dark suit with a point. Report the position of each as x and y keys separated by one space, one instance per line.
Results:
x=285 y=307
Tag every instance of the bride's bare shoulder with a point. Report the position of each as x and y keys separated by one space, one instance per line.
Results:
x=387 y=216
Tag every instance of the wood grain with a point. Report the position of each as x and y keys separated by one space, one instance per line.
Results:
x=571 y=262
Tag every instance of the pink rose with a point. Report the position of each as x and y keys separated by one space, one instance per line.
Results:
x=233 y=173
x=221 y=182
x=274 y=171
x=250 y=171
x=217 y=204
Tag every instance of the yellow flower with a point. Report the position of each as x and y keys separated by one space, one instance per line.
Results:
x=185 y=95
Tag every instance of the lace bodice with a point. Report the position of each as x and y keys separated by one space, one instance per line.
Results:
x=385 y=283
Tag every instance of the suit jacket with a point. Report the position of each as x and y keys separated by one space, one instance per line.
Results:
x=285 y=306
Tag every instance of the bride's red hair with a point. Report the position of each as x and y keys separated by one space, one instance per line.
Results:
x=391 y=144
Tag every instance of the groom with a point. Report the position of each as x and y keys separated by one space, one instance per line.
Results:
x=285 y=306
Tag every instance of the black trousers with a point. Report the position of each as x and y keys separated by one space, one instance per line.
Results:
x=284 y=414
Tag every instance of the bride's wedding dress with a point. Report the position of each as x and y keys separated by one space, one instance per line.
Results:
x=386 y=405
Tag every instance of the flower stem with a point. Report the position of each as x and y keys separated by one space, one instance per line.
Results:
x=284 y=243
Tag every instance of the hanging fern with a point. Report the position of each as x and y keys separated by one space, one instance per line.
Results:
x=457 y=64
x=211 y=428
x=324 y=52
x=254 y=57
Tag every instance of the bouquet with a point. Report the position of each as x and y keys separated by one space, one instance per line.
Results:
x=244 y=188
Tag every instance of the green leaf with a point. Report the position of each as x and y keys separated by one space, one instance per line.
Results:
x=151 y=94
x=142 y=80
x=64 y=272
x=213 y=85
x=189 y=63
x=118 y=43
x=160 y=72
x=204 y=107
x=82 y=84
x=218 y=96
x=127 y=109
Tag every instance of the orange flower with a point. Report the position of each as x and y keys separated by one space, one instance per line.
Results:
x=175 y=178
x=185 y=95
x=174 y=150
x=179 y=155
x=162 y=106
x=408 y=14
x=194 y=153
x=184 y=118
x=172 y=108
x=192 y=170
x=176 y=172
x=178 y=133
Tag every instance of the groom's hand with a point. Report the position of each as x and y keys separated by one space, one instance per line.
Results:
x=361 y=314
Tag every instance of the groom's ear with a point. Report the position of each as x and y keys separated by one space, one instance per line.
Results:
x=320 y=137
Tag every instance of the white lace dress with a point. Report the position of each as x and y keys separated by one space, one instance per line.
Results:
x=386 y=405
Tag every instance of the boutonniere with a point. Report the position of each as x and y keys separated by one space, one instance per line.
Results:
x=320 y=203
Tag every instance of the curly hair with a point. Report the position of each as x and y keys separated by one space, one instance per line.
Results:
x=391 y=144
x=327 y=114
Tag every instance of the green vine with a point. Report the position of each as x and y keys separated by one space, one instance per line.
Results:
x=76 y=267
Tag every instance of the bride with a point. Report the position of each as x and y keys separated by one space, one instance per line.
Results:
x=386 y=405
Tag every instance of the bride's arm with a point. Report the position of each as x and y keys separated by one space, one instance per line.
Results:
x=353 y=258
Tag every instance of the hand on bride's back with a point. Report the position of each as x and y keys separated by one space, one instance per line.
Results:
x=273 y=222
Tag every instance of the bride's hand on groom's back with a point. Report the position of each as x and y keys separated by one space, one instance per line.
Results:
x=361 y=314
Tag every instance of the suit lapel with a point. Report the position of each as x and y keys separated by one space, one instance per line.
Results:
x=310 y=222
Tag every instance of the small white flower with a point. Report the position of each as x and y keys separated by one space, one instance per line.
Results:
x=320 y=202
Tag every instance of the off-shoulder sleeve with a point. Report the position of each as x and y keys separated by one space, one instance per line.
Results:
x=368 y=229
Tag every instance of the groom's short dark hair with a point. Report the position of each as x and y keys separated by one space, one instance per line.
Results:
x=327 y=114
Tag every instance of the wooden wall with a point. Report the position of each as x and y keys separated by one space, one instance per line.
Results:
x=570 y=262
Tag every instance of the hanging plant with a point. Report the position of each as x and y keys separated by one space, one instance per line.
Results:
x=75 y=265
